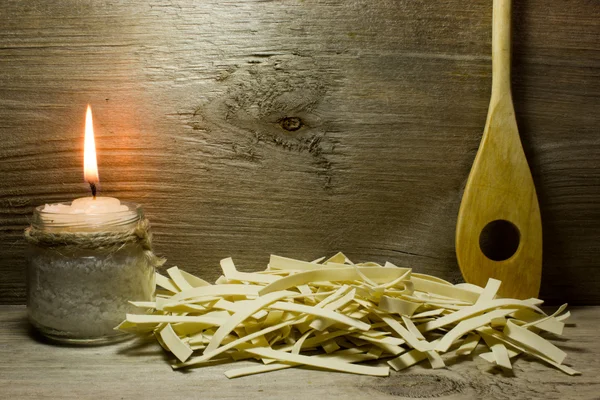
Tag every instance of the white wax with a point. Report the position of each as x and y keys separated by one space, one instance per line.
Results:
x=88 y=205
x=86 y=211
x=99 y=205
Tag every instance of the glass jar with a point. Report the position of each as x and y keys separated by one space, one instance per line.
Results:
x=83 y=270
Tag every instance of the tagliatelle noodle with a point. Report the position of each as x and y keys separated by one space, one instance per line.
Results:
x=333 y=315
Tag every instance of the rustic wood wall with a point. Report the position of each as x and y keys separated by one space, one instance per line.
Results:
x=190 y=100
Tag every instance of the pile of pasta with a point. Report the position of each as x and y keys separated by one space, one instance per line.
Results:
x=338 y=316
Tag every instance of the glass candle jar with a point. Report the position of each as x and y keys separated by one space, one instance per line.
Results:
x=83 y=270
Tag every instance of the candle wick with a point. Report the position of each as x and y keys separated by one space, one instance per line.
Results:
x=93 y=187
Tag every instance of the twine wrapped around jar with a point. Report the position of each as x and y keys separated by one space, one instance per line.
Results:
x=109 y=241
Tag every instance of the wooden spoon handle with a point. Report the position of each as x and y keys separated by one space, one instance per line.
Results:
x=498 y=232
x=501 y=45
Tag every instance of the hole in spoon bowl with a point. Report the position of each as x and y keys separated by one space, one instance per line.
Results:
x=499 y=240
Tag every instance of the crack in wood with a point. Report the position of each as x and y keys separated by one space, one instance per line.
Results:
x=408 y=253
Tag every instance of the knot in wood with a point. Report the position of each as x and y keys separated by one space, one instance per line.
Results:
x=291 y=123
x=421 y=386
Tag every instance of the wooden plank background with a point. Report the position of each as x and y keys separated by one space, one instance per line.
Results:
x=189 y=99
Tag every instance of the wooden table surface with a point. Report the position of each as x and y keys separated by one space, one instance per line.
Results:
x=138 y=370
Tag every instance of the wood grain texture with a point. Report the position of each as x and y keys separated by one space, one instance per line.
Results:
x=188 y=98
x=134 y=370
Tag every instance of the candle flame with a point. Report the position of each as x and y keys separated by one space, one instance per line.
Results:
x=90 y=166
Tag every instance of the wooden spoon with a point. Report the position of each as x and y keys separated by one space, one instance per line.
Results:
x=499 y=229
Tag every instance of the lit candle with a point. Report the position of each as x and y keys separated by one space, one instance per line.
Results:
x=93 y=209
x=86 y=260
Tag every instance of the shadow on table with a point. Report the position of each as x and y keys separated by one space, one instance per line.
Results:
x=24 y=327
x=140 y=346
